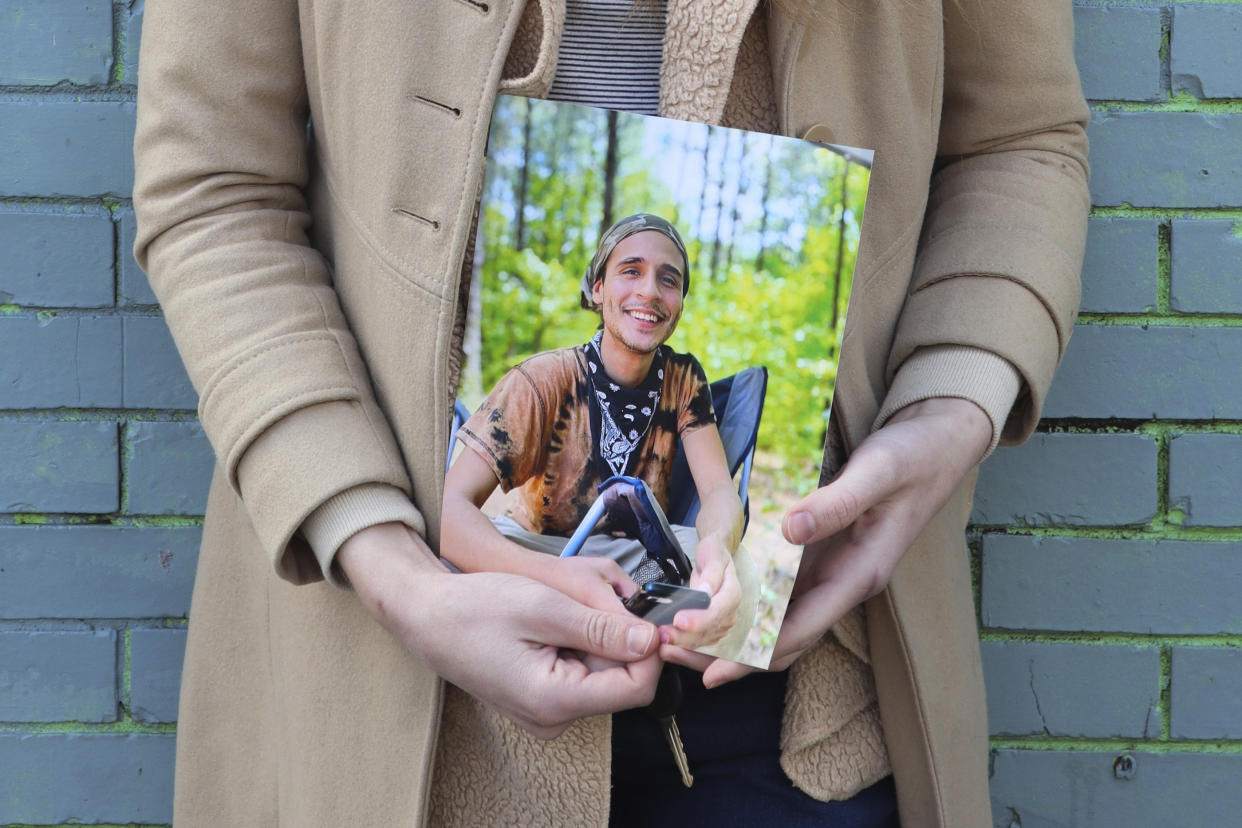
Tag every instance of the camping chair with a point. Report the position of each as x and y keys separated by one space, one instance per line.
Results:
x=460 y=415
x=627 y=502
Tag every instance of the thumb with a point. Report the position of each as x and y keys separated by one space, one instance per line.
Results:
x=864 y=481
x=612 y=635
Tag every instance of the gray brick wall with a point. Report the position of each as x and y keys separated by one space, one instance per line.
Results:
x=103 y=467
x=1108 y=549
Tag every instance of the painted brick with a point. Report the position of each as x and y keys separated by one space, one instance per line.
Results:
x=169 y=468
x=1118 y=52
x=134 y=287
x=132 y=29
x=1169 y=159
x=1050 y=789
x=1204 y=470
x=1069 y=479
x=154 y=375
x=1205 y=51
x=59 y=467
x=1119 y=269
x=1207 y=693
x=58 y=676
x=97 y=571
x=155 y=674
x=56 y=261
x=1207 y=266
x=62 y=361
x=1147 y=586
x=55 y=148
x=1139 y=373
x=1072 y=690
x=49 y=41
x=86 y=778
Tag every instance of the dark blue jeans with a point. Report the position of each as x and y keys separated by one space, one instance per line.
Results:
x=732 y=739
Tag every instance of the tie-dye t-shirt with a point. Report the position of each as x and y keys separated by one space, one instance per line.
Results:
x=534 y=430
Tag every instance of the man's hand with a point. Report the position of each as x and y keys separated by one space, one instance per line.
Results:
x=859 y=525
x=714 y=574
x=507 y=640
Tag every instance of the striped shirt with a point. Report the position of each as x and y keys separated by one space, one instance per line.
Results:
x=610 y=54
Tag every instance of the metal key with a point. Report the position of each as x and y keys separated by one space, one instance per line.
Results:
x=663 y=706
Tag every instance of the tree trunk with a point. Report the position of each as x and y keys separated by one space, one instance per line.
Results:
x=836 y=284
x=523 y=178
x=610 y=174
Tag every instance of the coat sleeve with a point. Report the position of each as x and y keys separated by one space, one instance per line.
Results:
x=999 y=261
x=221 y=164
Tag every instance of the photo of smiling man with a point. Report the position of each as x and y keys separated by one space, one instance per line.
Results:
x=564 y=420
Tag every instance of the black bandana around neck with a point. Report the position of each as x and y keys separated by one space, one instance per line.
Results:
x=624 y=414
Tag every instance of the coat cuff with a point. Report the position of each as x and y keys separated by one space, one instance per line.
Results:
x=282 y=483
x=343 y=515
x=951 y=312
x=987 y=380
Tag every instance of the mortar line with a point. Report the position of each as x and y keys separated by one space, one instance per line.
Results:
x=1111 y=639
x=1090 y=745
x=125 y=727
x=1166 y=693
x=1164 y=267
x=1126 y=210
x=1164 y=52
x=1149 y=532
x=101 y=415
x=1156 y=320
x=1179 y=103
x=122 y=465
x=126 y=679
x=1162 y=480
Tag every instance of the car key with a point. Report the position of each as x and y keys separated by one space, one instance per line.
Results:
x=663 y=706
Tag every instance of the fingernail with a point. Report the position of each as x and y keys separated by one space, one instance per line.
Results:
x=638 y=639
x=801 y=527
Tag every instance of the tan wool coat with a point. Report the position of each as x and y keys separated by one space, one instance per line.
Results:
x=312 y=283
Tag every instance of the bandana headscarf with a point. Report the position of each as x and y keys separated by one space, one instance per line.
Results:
x=624 y=228
x=624 y=414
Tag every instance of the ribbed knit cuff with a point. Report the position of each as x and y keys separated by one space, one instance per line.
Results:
x=340 y=517
x=989 y=381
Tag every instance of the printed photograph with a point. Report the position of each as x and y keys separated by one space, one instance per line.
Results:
x=655 y=319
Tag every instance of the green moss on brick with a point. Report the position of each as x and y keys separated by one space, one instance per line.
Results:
x=165 y=521
x=125 y=726
x=30 y=520
x=1126 y=210
x=1181 y=102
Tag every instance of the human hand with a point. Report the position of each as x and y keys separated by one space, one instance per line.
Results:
x=693 y=629
x=510 y=641
x=859 y=525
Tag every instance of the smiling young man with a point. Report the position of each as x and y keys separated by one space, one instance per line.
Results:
x=561 y=422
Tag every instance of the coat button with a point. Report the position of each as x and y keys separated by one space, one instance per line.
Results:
x=820 y=133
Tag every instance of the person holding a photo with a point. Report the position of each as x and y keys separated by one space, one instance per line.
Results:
x=557 y=425
x=307 y=182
